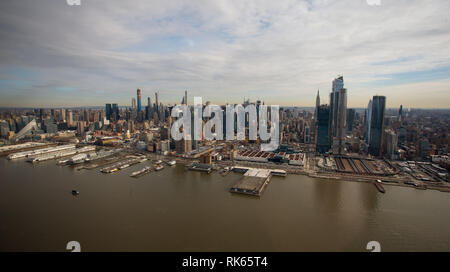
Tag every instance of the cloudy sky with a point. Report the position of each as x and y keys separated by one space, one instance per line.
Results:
x=54 y=54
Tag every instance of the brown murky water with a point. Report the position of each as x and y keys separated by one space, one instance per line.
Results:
x=180 y=210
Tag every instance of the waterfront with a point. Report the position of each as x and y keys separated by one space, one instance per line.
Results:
x=180 y=210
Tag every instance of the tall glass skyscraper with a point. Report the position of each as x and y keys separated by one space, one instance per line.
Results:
x=376 y=125
x=108 y=111
x=338 y=112
x=115 y=111
x=138 y=100
x=323 y=120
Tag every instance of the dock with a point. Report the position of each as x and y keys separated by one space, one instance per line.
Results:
x=202 y=167
x=255 y=180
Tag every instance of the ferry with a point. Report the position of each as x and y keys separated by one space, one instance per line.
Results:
x=144 y=170
x=172 y=162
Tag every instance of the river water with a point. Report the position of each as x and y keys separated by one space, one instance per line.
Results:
x=180 y=210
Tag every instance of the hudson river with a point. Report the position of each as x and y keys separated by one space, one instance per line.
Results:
x=179 y=210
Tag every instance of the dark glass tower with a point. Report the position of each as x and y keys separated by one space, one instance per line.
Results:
x=376 y=125
x=115 y=111
x=323 y=120
x=108 y=111
x=350 y=119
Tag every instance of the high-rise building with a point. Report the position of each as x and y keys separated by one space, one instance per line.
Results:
x=108 y=111
x=133 y=103
x=185 y=98
x=376 y=125
x=115 y=112
x=70 y=118
x=63 y=115
x=80 y=128
x=338 y=112
x=323 y=120
x=138 y=100
x=367 y=120
x=183 y=146
x=317 y=105
x=350 y=119
x=390 y=143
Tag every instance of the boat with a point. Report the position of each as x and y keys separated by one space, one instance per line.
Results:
x=75 y=192
x=379 y=187
x=124 y=166
x=159 y=167
x=143 y=160
x=158 y=162
x=172 y=162
x=62 y=162
x=144 y=170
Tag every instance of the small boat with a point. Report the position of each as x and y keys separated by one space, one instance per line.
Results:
x=379 y=187
x=75 y=192
x=62 y=162
x=158 y=162
x=124 y=166
x=172 y=162
x=144 y=170
x=159 y=167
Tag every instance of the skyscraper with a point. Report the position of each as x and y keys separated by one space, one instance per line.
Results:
x=108 y=111
x=70 y=118
x=376 y=125
x=317 y=105
x=115 y=112
x=368 y=118
x=338 y=112
x=350 y=119
x=323 y=120
x=185 y=98
x=138 y=100
x=156 y=110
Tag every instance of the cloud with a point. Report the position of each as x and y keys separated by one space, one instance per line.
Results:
x=279 y=51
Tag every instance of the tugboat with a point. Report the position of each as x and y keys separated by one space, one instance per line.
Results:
x=75 y=192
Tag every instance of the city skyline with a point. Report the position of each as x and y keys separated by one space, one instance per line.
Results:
x=101 y=52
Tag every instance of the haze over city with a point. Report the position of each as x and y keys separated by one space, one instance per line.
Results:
x=53 y=54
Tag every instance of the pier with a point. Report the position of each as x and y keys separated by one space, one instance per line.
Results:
x=255 y=180
x=202 y=167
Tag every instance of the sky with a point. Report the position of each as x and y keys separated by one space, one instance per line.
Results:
x=57 y=55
